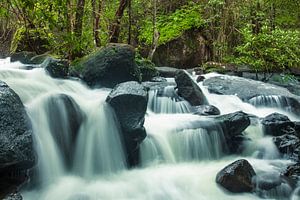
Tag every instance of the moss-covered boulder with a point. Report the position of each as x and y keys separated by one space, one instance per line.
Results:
x=110 y=66
x=147 y=68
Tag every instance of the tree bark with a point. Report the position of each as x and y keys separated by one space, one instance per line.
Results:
x=115 y=28
x=155 y=36
x=130 y=21
x=79 y=18
x=96 y=21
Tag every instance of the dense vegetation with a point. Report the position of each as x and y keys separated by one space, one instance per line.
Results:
x=262 y=34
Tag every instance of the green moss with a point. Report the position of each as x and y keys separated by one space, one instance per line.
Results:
x=147 y=68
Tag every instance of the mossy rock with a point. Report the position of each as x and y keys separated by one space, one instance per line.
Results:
x=109 y=66
x=147 y=69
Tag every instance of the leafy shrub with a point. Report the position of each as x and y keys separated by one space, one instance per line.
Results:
x=268 y=50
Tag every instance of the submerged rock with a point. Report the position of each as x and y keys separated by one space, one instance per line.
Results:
x=237 y=177
x=109 y=66
x=16 y=144
x=206 y=110
x=13 y=196
x=188 y=89
x=65 y=118
x=292 y=173
x=277 y=124
x=129 y=101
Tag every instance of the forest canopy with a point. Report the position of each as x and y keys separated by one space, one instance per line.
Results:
x=263 y=34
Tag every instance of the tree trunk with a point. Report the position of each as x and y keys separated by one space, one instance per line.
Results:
x=115 y=28
x=130 y=21
x=79 y=18
x=96 y=21
x=155 y=36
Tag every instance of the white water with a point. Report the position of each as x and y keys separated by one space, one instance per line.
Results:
x=180 y=158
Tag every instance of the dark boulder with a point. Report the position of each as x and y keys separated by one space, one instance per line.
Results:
x=288 y=145
x=277 y=124
x=109 y=66
x=129 y=101
x=200 y=79
x=56 y=68
x=237 y=177
x=233 y=125
x=206 y=110
x=16 y=143
x=65 y=118
x=188 y=89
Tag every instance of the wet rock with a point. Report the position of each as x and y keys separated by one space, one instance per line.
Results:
x=129 y=101
x=167 y=72
x=65 y=119
x=23 y=57
x=245 y=89
x=233 y=125
x=56 y=68
x=272 y=185
x=16 y=144
x=200 y=79
x=288 y=145
x=13 y=196
x=110 y=66
x=188 y=89
x=277 y=124
x=292 y=173
x=237 y=177
x=206 y=110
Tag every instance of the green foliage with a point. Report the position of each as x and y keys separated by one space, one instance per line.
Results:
x=173 y=25
x=269 y=50
x=146 y=67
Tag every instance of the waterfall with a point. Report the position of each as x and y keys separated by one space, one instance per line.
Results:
x=166 y=100
x=181 y=138
x=81 y=154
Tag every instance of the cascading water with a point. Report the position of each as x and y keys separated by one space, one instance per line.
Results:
x=180 y=156
x=166 y=100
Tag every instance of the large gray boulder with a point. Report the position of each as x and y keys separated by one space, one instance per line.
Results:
x=188 y=89
x=237 y=177
x=129 y=101
x=16 y=143
x=244 y=88
x=110 y=66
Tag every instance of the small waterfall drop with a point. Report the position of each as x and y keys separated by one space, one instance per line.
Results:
x=165 y=100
